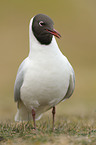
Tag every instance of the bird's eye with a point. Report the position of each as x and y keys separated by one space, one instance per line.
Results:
x=41 y=23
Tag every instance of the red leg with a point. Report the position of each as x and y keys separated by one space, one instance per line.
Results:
x=33 y=115
x=53 y=112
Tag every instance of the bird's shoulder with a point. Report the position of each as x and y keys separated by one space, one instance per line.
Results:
x=19 y=79
x=71 y=79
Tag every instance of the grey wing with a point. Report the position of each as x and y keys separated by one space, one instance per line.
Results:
x=18 y=82
x=71 y=85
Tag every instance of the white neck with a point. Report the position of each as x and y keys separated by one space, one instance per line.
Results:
x=37 y=49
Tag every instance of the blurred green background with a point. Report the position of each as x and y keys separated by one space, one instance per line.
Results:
x=76 y=22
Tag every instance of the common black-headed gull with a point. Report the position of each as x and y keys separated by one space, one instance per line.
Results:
x=45 y=77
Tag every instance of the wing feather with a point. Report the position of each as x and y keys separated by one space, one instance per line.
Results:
x=71 y=85
x=18 y=82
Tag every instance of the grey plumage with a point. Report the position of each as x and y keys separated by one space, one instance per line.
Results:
x=71 y=86
x=18 y=82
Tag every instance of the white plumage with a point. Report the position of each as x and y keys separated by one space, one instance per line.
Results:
x=44 y=79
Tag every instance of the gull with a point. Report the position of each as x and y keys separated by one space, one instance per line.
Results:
x=45 y=77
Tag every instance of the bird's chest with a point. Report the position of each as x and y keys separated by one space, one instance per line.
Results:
x=45 y=83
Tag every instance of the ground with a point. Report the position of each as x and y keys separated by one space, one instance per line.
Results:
x=71 y=130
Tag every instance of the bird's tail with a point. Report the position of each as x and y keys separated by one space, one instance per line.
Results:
x=23 y=114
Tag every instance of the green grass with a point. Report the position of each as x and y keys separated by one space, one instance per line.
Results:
x=68 y=130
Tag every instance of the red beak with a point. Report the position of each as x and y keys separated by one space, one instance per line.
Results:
x=54 y=32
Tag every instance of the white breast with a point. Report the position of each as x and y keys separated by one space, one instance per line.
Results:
x=45 y=82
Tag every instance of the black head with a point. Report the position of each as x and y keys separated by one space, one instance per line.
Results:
x=42 y=28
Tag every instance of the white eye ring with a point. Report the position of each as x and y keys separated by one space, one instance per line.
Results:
x=40 y=23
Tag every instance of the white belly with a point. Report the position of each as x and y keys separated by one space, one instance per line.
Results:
x=44 y=87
